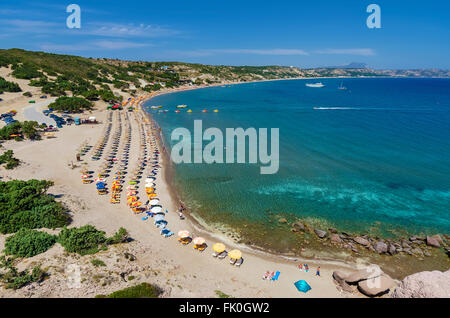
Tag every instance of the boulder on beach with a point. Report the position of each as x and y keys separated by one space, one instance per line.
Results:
x=320 y=233
x=361 y=241
x=434 y=284
x=376 y=286
x=339 y=278
x=298 y=226
x=335 y=238
x=363 y=274
x=434 y=241
x=380 y=247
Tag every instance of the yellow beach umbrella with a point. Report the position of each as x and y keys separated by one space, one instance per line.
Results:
x=183 y=234
x=151 y=195
x=132 y=199
x=219 y=247
x=235 y=254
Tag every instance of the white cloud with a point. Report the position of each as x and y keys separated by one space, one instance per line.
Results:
x=128 y=30
x=209 y=52
x=363 y=52
x=96 y=45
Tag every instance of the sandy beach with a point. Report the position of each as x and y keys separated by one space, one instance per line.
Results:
x=181 y=270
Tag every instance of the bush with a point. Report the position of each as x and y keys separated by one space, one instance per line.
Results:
x=71 y=104
x=25 y=204
x=25 y=71
x=84 y=240
x=27 y=128
x=27 y=94
x=6 y=86
x=97 y=263
x=88 y=240
x=144 y=290
x=28 y=243
x=8 y=158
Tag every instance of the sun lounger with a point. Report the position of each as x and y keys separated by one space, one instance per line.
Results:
x=232 y=261
x=222 y=255
x=239 y=262
x=215 y=254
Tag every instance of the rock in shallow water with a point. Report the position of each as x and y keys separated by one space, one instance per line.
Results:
x=361 y=241
x=380 y=247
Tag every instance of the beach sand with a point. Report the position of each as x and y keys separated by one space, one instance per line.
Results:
x=180 y=270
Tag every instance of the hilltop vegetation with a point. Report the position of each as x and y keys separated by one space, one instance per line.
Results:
x=92 y=79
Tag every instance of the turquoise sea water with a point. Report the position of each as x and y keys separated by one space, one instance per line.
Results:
x=383 y=160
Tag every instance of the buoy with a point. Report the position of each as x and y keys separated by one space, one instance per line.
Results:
x=204 y=111
x=216 y=110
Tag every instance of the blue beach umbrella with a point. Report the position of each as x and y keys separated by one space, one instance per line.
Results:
x=302 y=286
x=101 y=184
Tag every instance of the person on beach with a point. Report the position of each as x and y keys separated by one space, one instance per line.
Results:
x=306 y=268
x=181 y=216
x=300 y=267
x=266 y=275
x=318 y=271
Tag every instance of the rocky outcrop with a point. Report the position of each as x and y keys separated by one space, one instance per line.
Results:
x=298 y=226
x=364 y=274
x=376 y=286
x=434 y=241
x=433 y=284
x=361 y=241
x=320 y=233
x=380 y=247
x=335 y=238
x=370 y=281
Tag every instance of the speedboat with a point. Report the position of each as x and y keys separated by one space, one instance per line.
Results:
x=319 y=84
x=181 y=106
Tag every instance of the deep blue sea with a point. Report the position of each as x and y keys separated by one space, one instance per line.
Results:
x=382 y=159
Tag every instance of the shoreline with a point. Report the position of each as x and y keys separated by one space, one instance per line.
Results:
x=210 y=230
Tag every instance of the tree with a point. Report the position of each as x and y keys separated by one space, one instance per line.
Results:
x=28 y=243
x=71 y=104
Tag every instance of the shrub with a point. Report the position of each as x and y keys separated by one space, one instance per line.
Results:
x=14 y=279
x=8 y=158
x=6 y=86
x=25 y=204
x=88 y=240
x=25 y=71
x=72 y=104
x=28 y=243
x=84 y=240
x=144 y=290
x=97 y=263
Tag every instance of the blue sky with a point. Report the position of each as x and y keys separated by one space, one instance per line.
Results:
x=414 y=34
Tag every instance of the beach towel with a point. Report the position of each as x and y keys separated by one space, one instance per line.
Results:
x=302 y=286
x=275 y=277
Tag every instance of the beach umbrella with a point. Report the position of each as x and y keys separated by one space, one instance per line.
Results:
x=156 y=209
x=235 y=254
x=135 y=204
x=219 y=247
x=84 y=171
x=158 y=218
x=132 y=199
x=149 y=185
x=101 y=184
x=154 y=202
x=199 y=241
x=302 y=286
x=130 y=193
x=85 y=176
x=183 y=234
x=131 y=188
x=151 y=195
x=99 y=180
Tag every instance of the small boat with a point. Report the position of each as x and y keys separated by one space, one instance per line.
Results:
x=181 y=106
x=216 y=110
x=156 y=107
x=189 y=111
x=342 y=87
x=204 y=111
x=319 y=84
x=177 y=111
